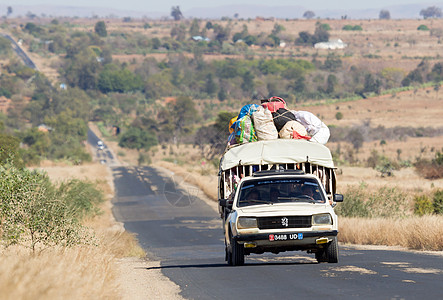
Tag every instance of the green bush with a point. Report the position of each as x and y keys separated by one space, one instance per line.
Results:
x=423 y=27
x=387 y=202
x=36 y=214
x=438 y=202
x=384 y=202
x=339 y=115
x=81 y=197
x=423 y=205
x=354 y=205
x=352 y=28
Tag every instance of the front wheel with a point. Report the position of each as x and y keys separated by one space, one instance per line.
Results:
x=235 y=253
x=331 y=251
x=238 y=254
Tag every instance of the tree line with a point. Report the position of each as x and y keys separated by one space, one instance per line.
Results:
x=125 y=94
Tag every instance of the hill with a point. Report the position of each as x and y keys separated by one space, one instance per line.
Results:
x=243 y=11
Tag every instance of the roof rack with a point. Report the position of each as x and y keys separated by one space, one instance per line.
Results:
x=278 y=172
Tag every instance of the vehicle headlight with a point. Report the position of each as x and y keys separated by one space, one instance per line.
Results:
x=244 y=223
x=322 y=219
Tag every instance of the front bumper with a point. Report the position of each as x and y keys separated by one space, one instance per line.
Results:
x=263 y=242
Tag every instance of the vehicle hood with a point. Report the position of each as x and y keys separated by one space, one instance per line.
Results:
x=286 y=209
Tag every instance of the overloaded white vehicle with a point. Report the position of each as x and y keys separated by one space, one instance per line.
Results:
x=276 y=196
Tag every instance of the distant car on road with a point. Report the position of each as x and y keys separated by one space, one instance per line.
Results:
x=100 y=145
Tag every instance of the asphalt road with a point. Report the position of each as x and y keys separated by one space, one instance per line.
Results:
x=20 y=53
x=105 y=155
x=175 y=226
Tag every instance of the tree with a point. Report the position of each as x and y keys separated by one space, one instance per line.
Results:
x=431 y=12
x=118 y=80
x=332 y=63
x=10 y=150
x=384 y=15
x=136 y=138
x=221 y=33
x=100 y=29
x=211 y=139
x=309 y=14
x=5 y=46
x=195 y=28
x=356 y=138
x=248 y=82
x=331 y=84
x=176 y=13
x=182 y=114
x=9 y=11
x=277 y=29
x=371 y=84
x=210 y=85
x=82 y=69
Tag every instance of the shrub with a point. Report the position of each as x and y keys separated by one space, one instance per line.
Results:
x=387 y=202
x=37 y=215
x=31 y=214
x=423 y=205
x=352 y=28
x=355 y=205
x=81 y=197
x=431 y=169
x=339 y=116
x=438 y=202
x=423 y=27
x=325 y=26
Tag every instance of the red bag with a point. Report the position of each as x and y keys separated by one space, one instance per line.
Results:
x=297 y=136
x=274 y=103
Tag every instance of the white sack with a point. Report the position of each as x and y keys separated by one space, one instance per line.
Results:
x=264 y=124
x=315 y=128
x=287 y=132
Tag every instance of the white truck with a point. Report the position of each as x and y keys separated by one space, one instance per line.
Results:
x=278 y=195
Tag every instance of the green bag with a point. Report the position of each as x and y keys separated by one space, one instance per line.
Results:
x=244 y=130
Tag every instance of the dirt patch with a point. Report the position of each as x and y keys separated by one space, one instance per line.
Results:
x=355 y=269
x=142 y=279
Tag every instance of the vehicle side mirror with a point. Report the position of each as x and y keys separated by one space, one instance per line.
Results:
x=227 y=203
x=338 y=198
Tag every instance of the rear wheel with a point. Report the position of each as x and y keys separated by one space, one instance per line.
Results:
x=228 y=254
x=331 y=251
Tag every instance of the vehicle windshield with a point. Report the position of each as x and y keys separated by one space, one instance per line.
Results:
x=280 y=190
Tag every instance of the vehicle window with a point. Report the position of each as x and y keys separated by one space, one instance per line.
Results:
x=280 y=190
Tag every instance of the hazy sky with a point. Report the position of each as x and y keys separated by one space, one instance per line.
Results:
x=165 y=5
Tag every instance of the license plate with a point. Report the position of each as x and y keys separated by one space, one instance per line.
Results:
x=285 y=237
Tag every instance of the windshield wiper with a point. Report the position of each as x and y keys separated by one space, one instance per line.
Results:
x=256 y=201
x=299 y=199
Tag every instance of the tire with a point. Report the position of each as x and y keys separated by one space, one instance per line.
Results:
x=331 y=251
x=238 y=254
x=228 y=254
x=320 y=256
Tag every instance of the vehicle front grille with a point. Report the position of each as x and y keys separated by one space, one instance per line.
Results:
x=281 y=222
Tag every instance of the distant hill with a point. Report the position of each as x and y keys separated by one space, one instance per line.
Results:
x=82 y=12
x=409 y=11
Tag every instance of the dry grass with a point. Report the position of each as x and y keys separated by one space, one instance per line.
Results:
x=420 y=233
x=75 y=273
